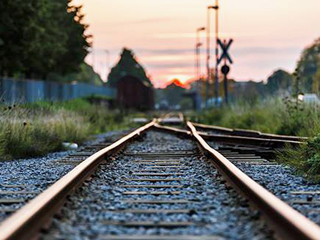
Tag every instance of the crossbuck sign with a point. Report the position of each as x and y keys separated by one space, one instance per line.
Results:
x=225 y=47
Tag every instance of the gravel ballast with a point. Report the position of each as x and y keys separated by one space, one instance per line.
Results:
x=101 y=208
x=282 y=181
x=29 y=177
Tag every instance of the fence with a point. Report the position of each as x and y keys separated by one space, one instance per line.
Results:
x=12 y=91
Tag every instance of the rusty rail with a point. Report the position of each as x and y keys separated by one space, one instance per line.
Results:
x=173 y=129
x=247 y=133
x=286 y=221
x=27 y=221
x=249 y=141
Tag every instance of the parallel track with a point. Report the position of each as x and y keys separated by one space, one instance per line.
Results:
x=288 y=223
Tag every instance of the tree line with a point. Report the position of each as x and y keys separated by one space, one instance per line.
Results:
x=41 y=37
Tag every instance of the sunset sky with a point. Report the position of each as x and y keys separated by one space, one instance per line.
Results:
x=267 y=34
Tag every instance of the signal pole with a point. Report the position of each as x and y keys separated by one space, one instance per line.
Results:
x=198 y=45
x=197 y=65
x=217 y=54
x=216 y=7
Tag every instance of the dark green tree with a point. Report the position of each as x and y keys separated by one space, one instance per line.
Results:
x=39 y=37
x=127 y=66
x=77 y=42
x=85 y=74
x=280 y=80
x=308 y=65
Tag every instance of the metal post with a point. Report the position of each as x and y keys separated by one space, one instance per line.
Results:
x=208 y=56
x=197 y=64
x=197 y=51
x=225 y=83
x=197 y=56
x=217 y=54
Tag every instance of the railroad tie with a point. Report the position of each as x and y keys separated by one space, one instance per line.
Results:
x=157 y=174
x=155 y=211
x=150 y=224
x=12 y=201
x=156 y=237
x=152 y=193
x=142 y=201
x=151 y=186
x=153 y=179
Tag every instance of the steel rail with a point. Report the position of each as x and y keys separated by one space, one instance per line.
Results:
x=173 y=129
x=249 y=141
x=228 y=139
x=27 y=221
x=170 y=119
x=287 y=222
x=247 y=133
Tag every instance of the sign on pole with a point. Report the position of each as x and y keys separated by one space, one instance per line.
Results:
x=225 y=47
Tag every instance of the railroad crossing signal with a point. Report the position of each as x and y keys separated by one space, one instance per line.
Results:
x=225 y=47
x=225 y=69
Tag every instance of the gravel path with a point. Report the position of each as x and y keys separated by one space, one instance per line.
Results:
x=101 y=208
x=30 y=177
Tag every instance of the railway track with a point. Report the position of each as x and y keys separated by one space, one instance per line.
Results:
x=162 y=187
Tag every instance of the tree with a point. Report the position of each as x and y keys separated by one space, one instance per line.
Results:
x=316 y=81
x=77 y=42
x=40 y=37
x=308 y=65
x=280 y=80
x=127 y=66
x=85 y=74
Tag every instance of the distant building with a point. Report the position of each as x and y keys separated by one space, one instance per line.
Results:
x=134 y=88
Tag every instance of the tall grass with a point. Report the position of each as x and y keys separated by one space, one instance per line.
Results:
x=304 y=159
x=273 y=116
x=36 y=129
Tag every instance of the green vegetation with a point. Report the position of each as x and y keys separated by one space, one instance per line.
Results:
x=309 y=68
x=39 y=128
x=38 y=36
x=86 y=74
x=272 y=116
x=305 y=159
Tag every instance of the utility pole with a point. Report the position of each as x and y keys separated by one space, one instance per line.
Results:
x=208 y=57
x=216 y=7
x=197 y=64
x=197 y=50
